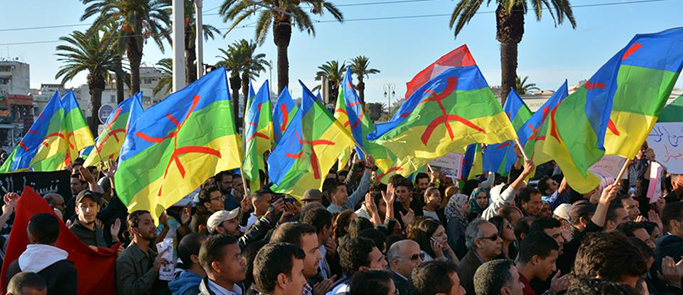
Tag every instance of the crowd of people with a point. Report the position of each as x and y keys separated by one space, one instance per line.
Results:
x=524 y=233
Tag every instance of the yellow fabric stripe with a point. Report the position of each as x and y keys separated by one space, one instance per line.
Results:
x=633 y=130
x=574 y=177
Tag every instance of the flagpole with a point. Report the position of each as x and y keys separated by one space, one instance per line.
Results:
x=521 y=149
x=622 y=171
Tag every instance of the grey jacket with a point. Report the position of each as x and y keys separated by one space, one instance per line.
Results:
x=134 y=272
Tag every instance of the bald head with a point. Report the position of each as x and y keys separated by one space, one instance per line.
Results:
x=404 y=256
x=55 y=201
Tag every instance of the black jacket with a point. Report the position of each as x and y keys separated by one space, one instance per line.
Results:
x=404 y=286
x=60 y=277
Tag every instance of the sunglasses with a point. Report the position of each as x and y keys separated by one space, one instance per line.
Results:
x=417 y=256
x=493 y=237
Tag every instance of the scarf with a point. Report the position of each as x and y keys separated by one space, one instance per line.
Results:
x=454 y=208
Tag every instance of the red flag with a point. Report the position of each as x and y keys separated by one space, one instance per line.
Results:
x=95 y=269
x=459 y=57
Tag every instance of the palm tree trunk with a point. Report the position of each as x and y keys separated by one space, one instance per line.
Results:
x=245 y=93
x=190 y=57
x=509 y=32
x=235 y=84
x=134 y=53
x=361 y=90
x=282 y=34
x=120 y=95
x=96 y=85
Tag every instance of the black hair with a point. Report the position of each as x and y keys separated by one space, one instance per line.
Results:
x=189 y=245
x=354 y=253
x=542 y=223
x=469 y=186
x=421 y=175
x=206 y=193
x=220 y=175
x=609 y=256
x=359 y=224
x=612 y=211
x=370 y=282
x=292 y=232
x=627 y=228
x=199 y=218
x=45 y=228
x=592 y=286
x=543 y=184
x=644 y=249
x=672 y=211
x=433 y=277
x=523 y=226
x=499 y=222
x=525 y=194
x=536 y=244
x=133 y=219
x=272 y=260
x=491 y=276
x=422 y=234
x=249 y=254
x=213 y=249
x=319 y=218
x=28 y=280
x=376 y=236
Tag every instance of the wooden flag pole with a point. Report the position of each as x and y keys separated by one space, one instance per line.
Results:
x=622 y=171
x=521 y=149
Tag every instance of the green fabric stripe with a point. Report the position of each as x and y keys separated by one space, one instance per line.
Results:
x=316 y=121
x=673 y=112
x=75 y=119
x=151 y=163
x=523 y=115
x=642 y=90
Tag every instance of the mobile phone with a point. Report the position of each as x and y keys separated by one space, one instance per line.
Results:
x=290 y=200
x=277 y=197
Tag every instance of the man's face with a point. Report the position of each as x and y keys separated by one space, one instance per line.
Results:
x=552 y=186
x=216 y=201
x=58 y=202
x=409 y=258
x=296 y=281
x=556 y=233
x=226 y=182
x=622 y=217
x=146 y=228
x=403 y=194
x=631 y=207
x=516 y=286
x=546 y=266
x=642 y=235
x=231 y=227
x=87 y=210
x=313 y=255
x=533 y=207
x=456 y=289
x=422 y=184
x=340 y=196
x=491 y=244
x=262 y=204
x=231 y=267
x=77 y=185
x=237 y=184
x=377 y=260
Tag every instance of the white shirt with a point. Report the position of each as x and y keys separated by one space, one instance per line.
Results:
x=324 y=268
x=236 y=290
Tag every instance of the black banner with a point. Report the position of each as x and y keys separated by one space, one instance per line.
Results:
x=42 y=182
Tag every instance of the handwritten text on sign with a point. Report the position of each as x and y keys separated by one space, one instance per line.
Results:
x=666 y=139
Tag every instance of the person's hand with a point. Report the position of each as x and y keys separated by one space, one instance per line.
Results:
x=321 y=288
x=330 y=246
x=672 y=272
x=86 y=175
x=390 y=195
x=290 y=209
x=528 y=167
x=163 y=220
x=654 y=217
x=408 y=218
x=99 y=223
x=119 y=251
x=10 y=200
x=370 y=204
x=558 y=283
x=159 y=261
x=609 y=193
x=186 y=215
x=369 y=162
x=113 y=166
x=278 y=206
x=115 y=229
x=68 y=223
x=436 y=248
x=640 y=218
x=245 y=204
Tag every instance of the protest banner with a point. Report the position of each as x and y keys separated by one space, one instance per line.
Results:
x=41 y=182
x=666 y=139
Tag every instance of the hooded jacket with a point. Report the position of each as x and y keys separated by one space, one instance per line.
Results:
x=50 y=263
x=187 y=283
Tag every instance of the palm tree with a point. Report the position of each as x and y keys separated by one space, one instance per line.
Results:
x=360 y=66
x=333 y=71
x=522 y=88
x=165 y=66
x=138 y=20
x=88 y=52
x=111 y=30
x=190 y=38
x=231 y=61
x=281 y=15
x=252 y=64
x=510 y=28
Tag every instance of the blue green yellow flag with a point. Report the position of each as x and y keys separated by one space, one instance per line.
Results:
x=78 y=133
x=500 y=157
x=283 y=112
x=258 y=136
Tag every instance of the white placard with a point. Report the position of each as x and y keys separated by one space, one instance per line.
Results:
x=451 y=164
x=666 y=139
x=165 y=249
x=654 y=191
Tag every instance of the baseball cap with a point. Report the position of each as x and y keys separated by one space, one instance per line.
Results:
x=580 y=208
x=312 y=195
x=219 y=217
x=562 y=211
x=87 y=193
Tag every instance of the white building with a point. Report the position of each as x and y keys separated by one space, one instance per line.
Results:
x=42 y=96
x=14 y=77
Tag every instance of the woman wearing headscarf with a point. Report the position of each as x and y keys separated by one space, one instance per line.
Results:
x=479 y=200
x=456 y=215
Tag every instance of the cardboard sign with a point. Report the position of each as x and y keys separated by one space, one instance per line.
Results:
x=666 y=139
x=608 y=167
x=654 y=190
x=450 y=164
x=41 y=182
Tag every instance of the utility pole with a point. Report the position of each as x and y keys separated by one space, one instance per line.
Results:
x=200 y=40
x=178 y=45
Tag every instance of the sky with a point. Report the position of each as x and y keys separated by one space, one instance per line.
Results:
x=398 y=47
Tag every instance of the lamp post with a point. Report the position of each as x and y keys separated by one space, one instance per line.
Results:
x=389 y=92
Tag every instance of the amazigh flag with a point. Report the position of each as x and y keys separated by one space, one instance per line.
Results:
x=472 y=162
x=283 y=112
x=114 y=132
x=501 y=156
x=258 y=136
x=249 y=99
x=175 y=145
x=95 y=269
x=44 y=146
x=459 y=57
x=350 y=112
x=308 y=149
x=672 y=112
x=446 y=114
x=578 y=126
x=78 y=132
x=646 y=76
x=533 y=132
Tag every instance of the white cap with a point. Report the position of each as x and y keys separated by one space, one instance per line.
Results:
x=218 y=217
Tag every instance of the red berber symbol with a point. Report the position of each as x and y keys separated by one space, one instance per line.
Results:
x=112 y=132
x=256 y=133
x=178 y=151
x=314 y=157
x=445 y=117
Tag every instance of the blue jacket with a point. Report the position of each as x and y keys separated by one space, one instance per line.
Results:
x=187 y=283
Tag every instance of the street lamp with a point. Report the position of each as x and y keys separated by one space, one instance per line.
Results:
x=389 y=92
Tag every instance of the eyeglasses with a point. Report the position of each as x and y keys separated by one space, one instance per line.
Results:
x=417 y=256
x=221 y=198
x=493 y=237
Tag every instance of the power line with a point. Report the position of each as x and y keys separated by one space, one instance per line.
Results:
x=334 y=21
